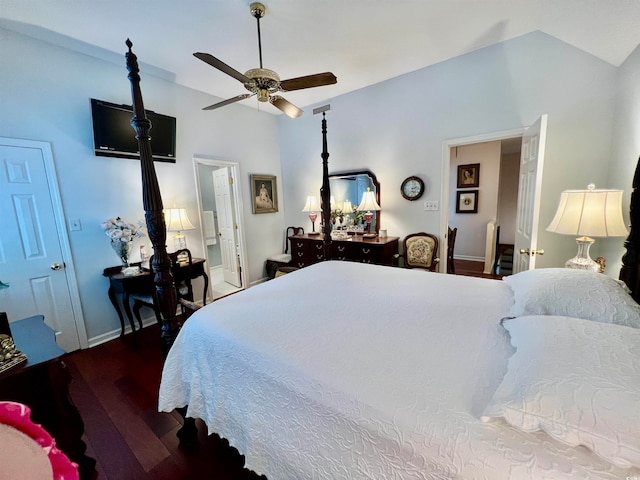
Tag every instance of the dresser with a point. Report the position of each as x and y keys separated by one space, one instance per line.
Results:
x=308 y=249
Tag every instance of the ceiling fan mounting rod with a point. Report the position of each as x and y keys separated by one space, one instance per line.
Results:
x=257 y=10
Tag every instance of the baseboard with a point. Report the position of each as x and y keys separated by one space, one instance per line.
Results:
x=468 y=258
x=113 y=334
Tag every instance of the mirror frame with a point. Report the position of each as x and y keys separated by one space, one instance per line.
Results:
x=375 y=182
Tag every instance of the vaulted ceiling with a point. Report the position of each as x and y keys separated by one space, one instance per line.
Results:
x=361 y=41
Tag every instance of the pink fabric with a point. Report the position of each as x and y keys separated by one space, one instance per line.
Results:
x=18 y=416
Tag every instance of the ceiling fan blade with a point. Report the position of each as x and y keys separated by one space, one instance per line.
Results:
x=285 y=106
x=223 y=67
x=309 y=81
x=229 y=101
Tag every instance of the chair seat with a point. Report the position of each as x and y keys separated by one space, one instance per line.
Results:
x=280 y=257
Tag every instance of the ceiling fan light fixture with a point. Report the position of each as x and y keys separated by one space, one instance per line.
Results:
x=263 y=95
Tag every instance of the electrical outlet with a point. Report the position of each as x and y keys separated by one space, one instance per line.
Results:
x=431 y=205
x=75 y=225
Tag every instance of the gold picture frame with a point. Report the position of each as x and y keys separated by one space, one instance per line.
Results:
x=264 y=193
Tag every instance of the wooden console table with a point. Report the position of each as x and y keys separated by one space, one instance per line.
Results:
x=123 y=286
x=42 y=384
x=309 y=249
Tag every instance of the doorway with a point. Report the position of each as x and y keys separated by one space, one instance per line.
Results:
x=220 y=210
x=477 y=241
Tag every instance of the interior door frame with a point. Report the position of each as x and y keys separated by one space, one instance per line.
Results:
x=61 y=229
x=234 y=169
x=447 y=145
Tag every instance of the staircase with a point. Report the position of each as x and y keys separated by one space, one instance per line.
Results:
x=504 y=264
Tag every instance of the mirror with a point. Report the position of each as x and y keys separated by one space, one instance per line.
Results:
x=350 y=186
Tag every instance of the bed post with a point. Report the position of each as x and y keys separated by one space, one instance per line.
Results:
x=630 y=271
x=152 y=202
x=326 y=189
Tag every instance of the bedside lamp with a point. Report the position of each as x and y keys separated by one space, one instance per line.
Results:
x=312 y=207
x=177 y=220
x=588 y=213
x=367 y=204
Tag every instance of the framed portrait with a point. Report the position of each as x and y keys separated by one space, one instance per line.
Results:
x=264 y=193
x=467 y=201
x=469 y=175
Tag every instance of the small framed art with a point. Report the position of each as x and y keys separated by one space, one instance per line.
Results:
x=467 y=201
x=264 y=193
x=469 y=175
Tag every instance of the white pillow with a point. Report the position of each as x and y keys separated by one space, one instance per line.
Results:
x=573 y=293
x=576 y=379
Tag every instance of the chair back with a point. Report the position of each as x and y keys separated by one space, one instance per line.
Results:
x=451 y=242
x=291 y=231
x=421 y=251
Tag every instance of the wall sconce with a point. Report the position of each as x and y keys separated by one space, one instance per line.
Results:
x=588 y=213
x=312 y=207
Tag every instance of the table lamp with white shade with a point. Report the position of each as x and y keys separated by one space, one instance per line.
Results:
x=586 y=214
x=312 y=208
x=176 y=220
x=368 y=204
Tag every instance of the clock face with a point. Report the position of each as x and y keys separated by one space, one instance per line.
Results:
x=412 y=188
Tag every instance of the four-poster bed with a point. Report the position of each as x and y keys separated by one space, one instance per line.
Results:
x=403 y=380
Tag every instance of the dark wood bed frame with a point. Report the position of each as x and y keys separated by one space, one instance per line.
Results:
x=152 y=201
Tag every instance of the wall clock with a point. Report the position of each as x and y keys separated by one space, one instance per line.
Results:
x=412 y=188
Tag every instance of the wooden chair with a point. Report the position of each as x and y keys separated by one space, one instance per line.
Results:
x=420 y=251
x=274 y=262
x=451 y=242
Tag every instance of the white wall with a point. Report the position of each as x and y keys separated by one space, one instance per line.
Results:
x=45 y=93
x=397 y=128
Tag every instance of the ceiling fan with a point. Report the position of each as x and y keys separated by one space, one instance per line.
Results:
x=264 y=83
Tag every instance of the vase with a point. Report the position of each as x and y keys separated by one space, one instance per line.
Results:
x=123 y=250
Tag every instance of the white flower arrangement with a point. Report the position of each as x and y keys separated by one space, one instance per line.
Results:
x=122 y=234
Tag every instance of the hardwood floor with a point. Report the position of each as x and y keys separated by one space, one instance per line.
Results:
x=115 y=387
x=472 y=269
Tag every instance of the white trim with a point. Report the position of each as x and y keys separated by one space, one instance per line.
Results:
x=234 y=169
x=61 y=228
x=446 y=163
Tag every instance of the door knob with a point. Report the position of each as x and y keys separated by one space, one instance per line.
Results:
x=56 y=266
x=526 y=251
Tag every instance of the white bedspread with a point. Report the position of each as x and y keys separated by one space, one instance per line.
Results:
x=344 y=370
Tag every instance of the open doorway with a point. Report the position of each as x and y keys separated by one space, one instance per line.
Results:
x=480 y=199
x=220 y=209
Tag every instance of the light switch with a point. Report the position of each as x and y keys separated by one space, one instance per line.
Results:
x=431 y=205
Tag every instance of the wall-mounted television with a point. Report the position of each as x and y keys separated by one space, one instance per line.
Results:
x=113 y=135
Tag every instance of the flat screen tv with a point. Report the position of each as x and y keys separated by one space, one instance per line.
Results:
x=113 y=135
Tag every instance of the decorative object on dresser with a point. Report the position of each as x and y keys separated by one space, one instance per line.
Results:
x=420 y=251
x=367 y=204
x=312 y=208
x=412 y=188
x=469 y=175
x=177 y=221
x=467 y=201
x=264 y=193
x=588 y=213
x=307 y=250
x=122 y=235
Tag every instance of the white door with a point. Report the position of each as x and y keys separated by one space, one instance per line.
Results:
x=227 y=226
x=529 y=188
x=33 y=243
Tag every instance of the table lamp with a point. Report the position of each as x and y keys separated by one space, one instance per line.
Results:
x=588 y=213
x=177 y=220
x=367 y=204
x=312 y=207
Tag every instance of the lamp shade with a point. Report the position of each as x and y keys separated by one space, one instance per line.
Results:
x=312 y=204
x=368 y=202
x=589 y=213
x=177 y=220
x=347 y=207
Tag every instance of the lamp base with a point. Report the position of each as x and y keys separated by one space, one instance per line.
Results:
x=582 y=260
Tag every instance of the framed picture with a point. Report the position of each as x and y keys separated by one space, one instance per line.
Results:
x=469 y=175
x=467 y=201
x=264 y=193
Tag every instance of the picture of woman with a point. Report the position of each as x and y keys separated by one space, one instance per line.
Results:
x=263 y=188
x=469 y=175
x=262 y=200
